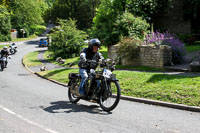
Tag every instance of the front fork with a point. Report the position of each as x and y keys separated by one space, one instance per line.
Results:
x=104 y=88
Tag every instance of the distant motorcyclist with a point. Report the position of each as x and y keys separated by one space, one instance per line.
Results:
x=5 y=53
x=90 y=53
x=13 y=48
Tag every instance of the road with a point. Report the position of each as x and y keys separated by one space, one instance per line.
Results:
x=29 y=104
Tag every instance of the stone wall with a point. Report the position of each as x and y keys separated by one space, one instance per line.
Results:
x=14 y=34
x=152 y=56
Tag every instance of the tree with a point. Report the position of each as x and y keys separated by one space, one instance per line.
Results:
x=81 y=10
x=26 y=14
x=5 y=25
x=103 y=22
x=112 y=21
x=4 y=2
x=67 y=40
x=148 y=9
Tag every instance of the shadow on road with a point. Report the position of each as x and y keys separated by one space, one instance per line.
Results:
x=32 y=42
x=68 y=107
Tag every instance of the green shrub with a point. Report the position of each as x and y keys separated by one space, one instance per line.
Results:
x=128 y=47
x=38 y=29
x=112 y=29
x=188 y=39
x=129 y=25
x=67 y=40
x=5 y=24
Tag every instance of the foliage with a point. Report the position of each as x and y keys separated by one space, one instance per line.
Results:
x=103 y=23
x=112 y=22
x=38 y=29
x=81 y=10
x=26 y=14
x=128 y=47
x=178 y=49
x=5 y=24
x=148 y=9
x=186 y=38
x=67 y=40
x=128 y=25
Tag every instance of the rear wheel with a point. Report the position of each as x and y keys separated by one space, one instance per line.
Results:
x=110 y=99
x=72 y=97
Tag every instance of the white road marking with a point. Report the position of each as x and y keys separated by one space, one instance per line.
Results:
x=28 y=121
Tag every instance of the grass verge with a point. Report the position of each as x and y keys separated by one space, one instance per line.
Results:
x=157 y=86
x=31 y=59
x=24 y=39
x=194 y=47
x=151 y=85
x=1 y=46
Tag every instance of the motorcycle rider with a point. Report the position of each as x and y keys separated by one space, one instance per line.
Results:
x=90 y=53
x=5 y=53
x=13 y=48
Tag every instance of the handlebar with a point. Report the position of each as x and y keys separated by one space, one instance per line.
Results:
x=104 y=63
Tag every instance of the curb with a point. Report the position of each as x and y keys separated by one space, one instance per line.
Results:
x=161 y=103
x=41 y=75
x=134 y=99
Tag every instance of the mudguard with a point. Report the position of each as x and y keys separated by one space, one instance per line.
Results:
x=113 y=78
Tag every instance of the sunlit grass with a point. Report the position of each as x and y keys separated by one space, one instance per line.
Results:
x=1 y=46
x=157 y=86
x=194 y=47
x=150 y=85
x=31 y=59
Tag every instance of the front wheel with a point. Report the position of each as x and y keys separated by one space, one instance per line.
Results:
x=72 y=97
x=2 y=65
x=108 y=100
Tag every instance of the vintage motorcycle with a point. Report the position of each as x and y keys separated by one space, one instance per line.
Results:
x=13 y=48
x=106 y=94
x=3 y=62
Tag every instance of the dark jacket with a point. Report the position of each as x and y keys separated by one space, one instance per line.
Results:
x=4 y=53
x=89 y=55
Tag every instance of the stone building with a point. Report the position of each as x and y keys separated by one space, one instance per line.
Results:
x=175 y=19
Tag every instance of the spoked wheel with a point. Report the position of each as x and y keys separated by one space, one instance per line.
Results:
x=109 y=100
x=72 y=98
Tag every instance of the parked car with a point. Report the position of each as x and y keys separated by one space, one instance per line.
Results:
x=43 y=42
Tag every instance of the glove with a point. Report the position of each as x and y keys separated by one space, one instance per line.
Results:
x=83 y=59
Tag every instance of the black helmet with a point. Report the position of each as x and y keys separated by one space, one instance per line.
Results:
x=94 y=42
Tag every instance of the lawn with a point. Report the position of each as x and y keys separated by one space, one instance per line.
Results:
x=150 y=85
x=31 y=59
x=194 y=47
x=157 y=86
x=1 y=46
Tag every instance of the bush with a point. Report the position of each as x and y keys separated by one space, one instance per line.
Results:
x=178 y=48
x=129 y=25
x=37 y=29
x=111 y=22
x=187 y=38
x=5 y=24
x=128 y=47
x=67 y=40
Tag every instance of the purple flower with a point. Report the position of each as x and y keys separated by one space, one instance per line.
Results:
x=170 y=39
